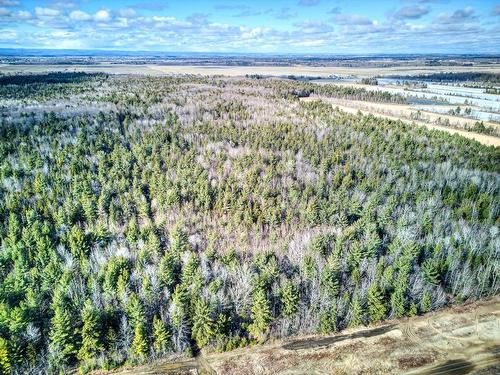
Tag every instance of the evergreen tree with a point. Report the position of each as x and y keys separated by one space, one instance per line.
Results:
x=135 y=310
x=426 y=302
x=179 y=307
x=260 y=313
x=203 y=324
x=357 y=312
x=169 y=270
x=290 y=298
x=91 y=344
x=63 y=335
x=430 y=271
x=77 y=242
x=153 y=244
x=376 y=307
x=413 y=310
x=139 y=343
x=179 y=240
x=398 y=303
x=161 y=335
x=328 y=321
x=5 y=366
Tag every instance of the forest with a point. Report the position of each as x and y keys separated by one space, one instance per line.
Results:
x=142 y=217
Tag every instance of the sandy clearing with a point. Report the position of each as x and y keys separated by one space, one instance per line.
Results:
x=464 y=339
x=403 y=112
x=234 y=71
x=446 y=342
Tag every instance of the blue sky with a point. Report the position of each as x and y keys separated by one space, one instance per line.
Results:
x=281 y=26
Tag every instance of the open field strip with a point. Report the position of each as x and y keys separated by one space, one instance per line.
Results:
x=403 y=112
x=462 y=339
x=234 y=71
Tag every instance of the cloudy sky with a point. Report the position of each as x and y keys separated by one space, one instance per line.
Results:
x=268 y=26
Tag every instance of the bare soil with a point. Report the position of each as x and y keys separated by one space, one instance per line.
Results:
x=460 y=340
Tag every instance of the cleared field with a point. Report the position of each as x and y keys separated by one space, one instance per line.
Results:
x=461 y=340
x=243 y=70
x=405 y=112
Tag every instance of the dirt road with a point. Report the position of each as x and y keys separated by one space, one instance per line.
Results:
x=461 y=340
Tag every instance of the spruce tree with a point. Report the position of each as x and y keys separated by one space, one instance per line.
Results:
x=203 y=324
x=179 y=306
x=63 y=335
x=139 y=343
x=357 y=312
x=426 y=302
x=4 y=357
x=179 y=240
x=328 y=321
x=290 y=298
x=169 y=270
x=161 y=335
x=260 y=313
x=376 y=307
x=91 y=344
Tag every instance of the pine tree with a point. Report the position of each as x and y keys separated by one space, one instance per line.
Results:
x=328 y=321
x=139 y=343
x=63 y=335
x=376 y=307
x=357 y=313
x=179 y=306
x=133 y=230
x=91 y=345
x=426 y=302
x=169 y=269
x=430 y=271
x=260 y=313
x=319 y=244
x=413 y=310
x=4 y=357
x=77 y=242
x=330 y=282
x=290 y=298
x=153 y=244
x=135 y=310
x=89 y=207
x=190 y=270
x=203 y=325
x=179 y=240
x=161 y=336
x=398 y=303
x=355 y=255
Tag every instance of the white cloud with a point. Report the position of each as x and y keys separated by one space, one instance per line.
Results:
x=352 y=19
x=127 y=13
x=8 y=34
x=460 y=16
x=9 y=3
x=23 y=15
x=102 y=16
x=78 y=15
x=46 y=12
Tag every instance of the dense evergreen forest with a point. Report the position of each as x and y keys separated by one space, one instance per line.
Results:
x=145 y=216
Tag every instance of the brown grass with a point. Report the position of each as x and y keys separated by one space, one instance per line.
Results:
x=406 y=363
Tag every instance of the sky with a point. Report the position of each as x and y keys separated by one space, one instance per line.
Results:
x=258 y=26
